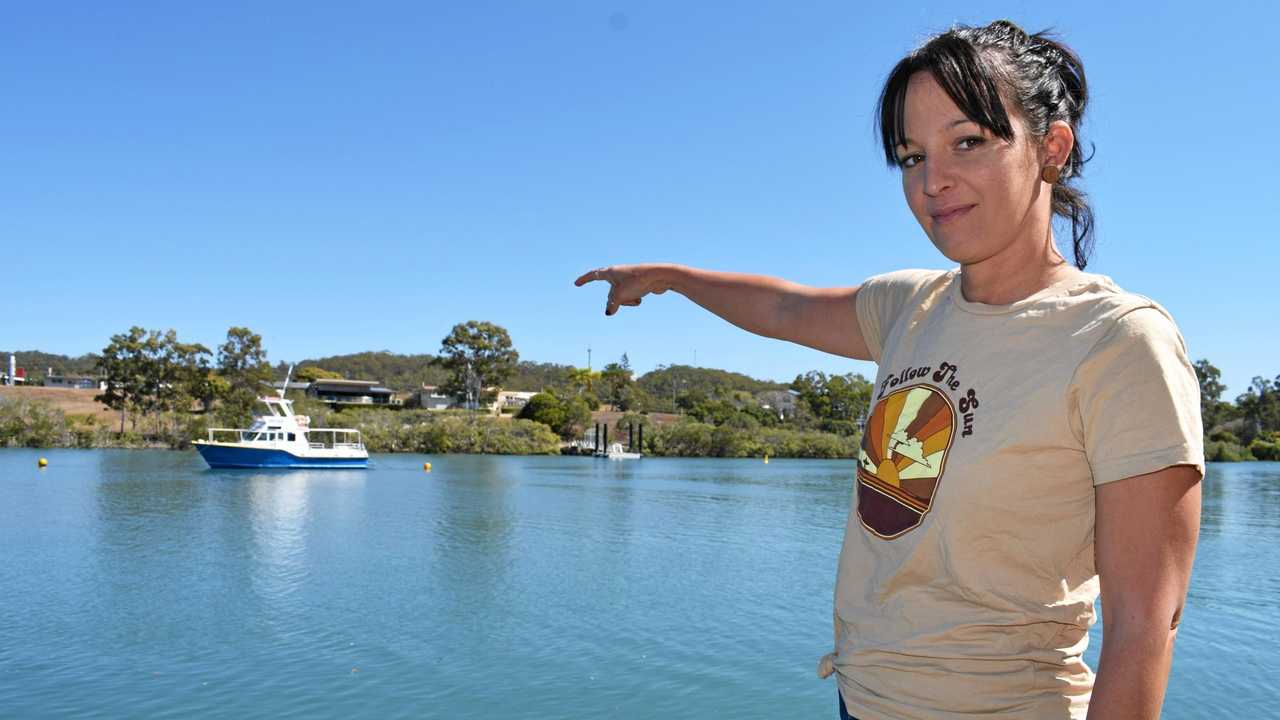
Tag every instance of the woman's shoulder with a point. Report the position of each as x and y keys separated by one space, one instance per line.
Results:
x=904 y=285
x=1112 y=317
x=1107 y=306
x=912 y=276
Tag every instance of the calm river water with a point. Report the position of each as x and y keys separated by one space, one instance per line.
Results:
x=141 y=584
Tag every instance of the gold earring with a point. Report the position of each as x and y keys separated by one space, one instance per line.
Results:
x=1051 y=174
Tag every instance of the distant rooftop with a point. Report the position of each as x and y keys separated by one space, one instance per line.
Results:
x=345 y=383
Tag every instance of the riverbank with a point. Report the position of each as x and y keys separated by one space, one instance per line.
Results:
x=30 y=420
x=66 y=418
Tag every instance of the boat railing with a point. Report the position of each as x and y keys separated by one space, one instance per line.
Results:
x=333 y=441
x=317 y=438
x=236 y=434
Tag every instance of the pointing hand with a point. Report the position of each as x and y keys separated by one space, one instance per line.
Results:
x=628 y=283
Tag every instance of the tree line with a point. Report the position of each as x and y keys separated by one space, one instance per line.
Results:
x=160 y=384
x=1249 y=428
x=152 y=374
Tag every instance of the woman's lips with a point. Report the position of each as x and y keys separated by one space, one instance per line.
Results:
x=948 y=216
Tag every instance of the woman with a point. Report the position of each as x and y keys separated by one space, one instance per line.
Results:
x=1035 y=436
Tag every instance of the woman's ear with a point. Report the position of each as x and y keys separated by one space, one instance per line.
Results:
x=1058 y=142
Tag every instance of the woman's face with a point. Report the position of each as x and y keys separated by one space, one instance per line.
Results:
x=974 y=194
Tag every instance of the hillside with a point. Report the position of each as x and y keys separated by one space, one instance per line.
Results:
x=37 y=363
x=409 y=372
x=704 y=381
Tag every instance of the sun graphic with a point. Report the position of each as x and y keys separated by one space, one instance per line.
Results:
x=904 y=448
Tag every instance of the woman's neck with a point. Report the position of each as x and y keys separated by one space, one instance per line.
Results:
x=1020 y=271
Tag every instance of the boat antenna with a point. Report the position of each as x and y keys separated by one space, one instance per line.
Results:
x=286 y=382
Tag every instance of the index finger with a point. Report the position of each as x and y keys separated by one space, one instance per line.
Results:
x=586 y=277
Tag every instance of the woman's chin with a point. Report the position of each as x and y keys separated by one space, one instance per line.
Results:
x=955 y=250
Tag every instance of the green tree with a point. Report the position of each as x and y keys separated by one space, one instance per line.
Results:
x=1212 y=410
x=544 y=408
x=476 y=354
x=182 y=374
x=242 y=363
x=615 y=380
x=850 y=396
x=1260 y=408
x=130 y=367
x=186 y=373
x=148 y=373
x=568 y=418
x=811 y=389
x=581 y=379
x=577 y=416
x=835 y=401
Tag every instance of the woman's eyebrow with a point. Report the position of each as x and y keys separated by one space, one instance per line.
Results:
x=960 y=121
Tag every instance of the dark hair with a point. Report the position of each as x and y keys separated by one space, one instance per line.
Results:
x=976 y=67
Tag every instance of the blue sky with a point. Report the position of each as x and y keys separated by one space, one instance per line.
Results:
x=343 y=178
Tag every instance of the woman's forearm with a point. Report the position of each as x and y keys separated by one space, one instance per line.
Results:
x=1133 y=671
x=755 y=303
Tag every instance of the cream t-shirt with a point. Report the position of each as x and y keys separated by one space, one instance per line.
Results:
x=966 y=581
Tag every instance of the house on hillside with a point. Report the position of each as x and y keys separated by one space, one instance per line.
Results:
x=431 y=397
x=510 y=401
x=780 y=402
x=352 y=392
x=74 y=382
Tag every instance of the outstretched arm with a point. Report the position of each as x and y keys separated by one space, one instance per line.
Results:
x=1145 y=542
x=820 y=318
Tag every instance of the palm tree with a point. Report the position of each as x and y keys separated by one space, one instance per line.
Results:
x=582 y=379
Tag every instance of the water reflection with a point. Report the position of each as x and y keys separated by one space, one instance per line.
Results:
x=274 y=509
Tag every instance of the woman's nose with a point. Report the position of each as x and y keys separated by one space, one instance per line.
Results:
x=937 y=177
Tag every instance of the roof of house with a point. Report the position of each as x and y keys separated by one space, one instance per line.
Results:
x=346 y=383
x=350 y=386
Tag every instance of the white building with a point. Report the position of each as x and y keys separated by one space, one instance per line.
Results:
x=431 y=397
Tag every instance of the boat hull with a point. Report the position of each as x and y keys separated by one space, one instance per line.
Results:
x=231 y=456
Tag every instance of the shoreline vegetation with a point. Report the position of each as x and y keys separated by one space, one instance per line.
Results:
x=158 y=392
x=40 y=424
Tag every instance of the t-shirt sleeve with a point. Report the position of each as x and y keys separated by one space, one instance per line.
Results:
x=881 y=300
x=1138 y=399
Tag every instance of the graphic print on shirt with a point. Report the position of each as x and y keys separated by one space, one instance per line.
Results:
x=904 y=450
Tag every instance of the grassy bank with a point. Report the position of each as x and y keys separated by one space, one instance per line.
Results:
x=434 y=432
x=689 y=438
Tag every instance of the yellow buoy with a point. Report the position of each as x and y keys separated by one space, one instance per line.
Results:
x=426 y=467
x=766 y=458
x=42 y=462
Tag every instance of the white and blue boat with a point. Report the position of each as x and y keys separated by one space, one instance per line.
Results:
x=278 y=438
